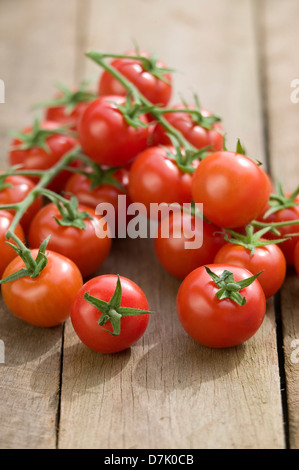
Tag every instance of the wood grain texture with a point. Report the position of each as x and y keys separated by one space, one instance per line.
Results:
x=281 y=36
x=37 y=47
x=168 y=391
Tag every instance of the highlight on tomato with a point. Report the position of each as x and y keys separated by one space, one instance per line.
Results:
x=221 y=305
x=110 y=313
x=150 y=75
x=199 y=127
x=111 y=132
x=39 y=286
x=232 y=188
x=75 y=232
x=158 y=175
x=258 y=255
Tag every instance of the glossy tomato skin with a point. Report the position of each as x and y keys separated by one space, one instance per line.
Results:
x=106 y=137
x=80 y=186
x=268 y=258
x=83 y=247
x=18 y=188
x=37 y=158
x=219 y=323
x=197 y=135
x=85 y=316
x=46 y=300
x=59 y=114
x=155 y=178
x=152 y=88
x=172 y=252
x=283 y=215
x=7 y=253
x=232 y=188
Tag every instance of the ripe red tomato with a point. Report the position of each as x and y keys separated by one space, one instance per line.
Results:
x=82 y=246
x=219 y=323
x=156 y=178
x=14 y=189
x=232 y=188
x=7 y=253
x=197 y=135
x=80 y=186
x=37 y=158
x=154 y=89
x=172 y=252
x=106 y=137
x=284 y=215
x=85 y=316
x=267 y=258
x=44 y=300
x=59 y=114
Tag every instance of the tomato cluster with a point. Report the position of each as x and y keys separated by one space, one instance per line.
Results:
x=92 y=148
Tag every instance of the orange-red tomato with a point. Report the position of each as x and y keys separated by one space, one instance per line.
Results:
x=7 y=253
x=16 y=189
x=83 y=246
x=219 y=323
x=155 y=90
x=232 y=188
x=172 y=250
x=268 y=258
x=45 y=300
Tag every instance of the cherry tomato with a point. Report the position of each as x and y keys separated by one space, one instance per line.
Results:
x=172 y=251
x=267 y=258
x=197 y=135
x=284 y=215
x=37 y=158
x=7 y=253
x=80 y=186
x=85 y=316
x=59 y=114
x=44 y=300
x=14 y=189
x=156 y=178
x=232 y=188
x=157 y=91
x=106 y=137
x=219 y=323
x=82 y=246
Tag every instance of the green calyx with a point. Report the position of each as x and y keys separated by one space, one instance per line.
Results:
x=33 y=267
x=112 y=311
x=228 y=287
x=251 y=240
x=131 y=111
x=69 y=99
x=69 y=210
x=279 y=201
x=184 y=158
x=207 y=122
x=37 y=138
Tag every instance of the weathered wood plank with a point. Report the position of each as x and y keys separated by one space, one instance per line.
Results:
x=168 y=391
x=37 y=47
x=281 y=34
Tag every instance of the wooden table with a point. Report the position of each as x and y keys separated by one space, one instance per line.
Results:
x=166 y=392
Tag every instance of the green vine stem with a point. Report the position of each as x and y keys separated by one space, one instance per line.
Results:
x=138 y=97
